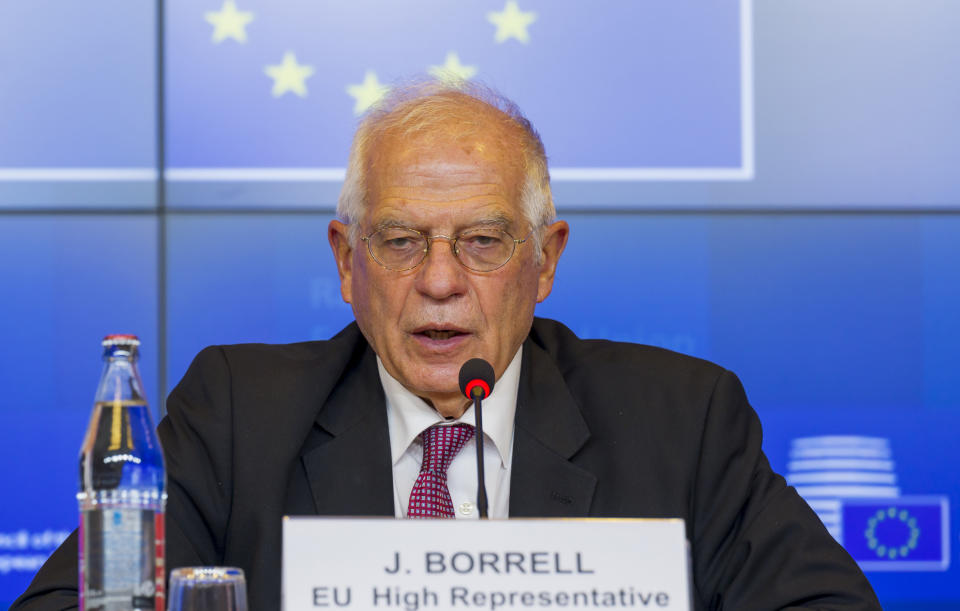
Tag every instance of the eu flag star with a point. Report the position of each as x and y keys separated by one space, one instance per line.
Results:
x=452 y=71
x=511 y=22
x=228 y=22
x=289 y=76
x=367 y=93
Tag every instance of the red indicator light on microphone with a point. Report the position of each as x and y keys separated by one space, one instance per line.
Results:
x=477 y=386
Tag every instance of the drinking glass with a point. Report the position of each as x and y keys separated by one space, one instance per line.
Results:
x=207 y=588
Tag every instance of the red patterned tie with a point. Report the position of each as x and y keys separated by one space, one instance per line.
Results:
x=430 y=497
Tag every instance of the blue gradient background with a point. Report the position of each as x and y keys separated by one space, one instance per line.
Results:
x=830 y=283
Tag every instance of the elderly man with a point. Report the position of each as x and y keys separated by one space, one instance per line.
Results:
x=446 y=242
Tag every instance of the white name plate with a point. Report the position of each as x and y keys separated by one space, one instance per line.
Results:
x=415 y=565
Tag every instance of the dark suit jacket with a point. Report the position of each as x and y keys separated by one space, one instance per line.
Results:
x=254 y=432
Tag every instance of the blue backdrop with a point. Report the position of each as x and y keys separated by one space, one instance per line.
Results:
x=770 y=187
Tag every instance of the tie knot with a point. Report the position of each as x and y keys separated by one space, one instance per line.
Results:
x=441 y=443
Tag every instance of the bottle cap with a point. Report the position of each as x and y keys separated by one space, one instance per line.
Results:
x=120 y=339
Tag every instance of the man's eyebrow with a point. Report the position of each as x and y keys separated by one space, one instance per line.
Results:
x=501 y=221
x=497 y=220
x=388 y=222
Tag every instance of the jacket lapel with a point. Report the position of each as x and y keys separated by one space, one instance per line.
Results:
x=347 y=456
x=549 y=431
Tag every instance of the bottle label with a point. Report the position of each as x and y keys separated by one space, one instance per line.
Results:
x=119 y=559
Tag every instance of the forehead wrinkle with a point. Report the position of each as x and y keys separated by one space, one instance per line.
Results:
x=406 y=201
x=432 y=169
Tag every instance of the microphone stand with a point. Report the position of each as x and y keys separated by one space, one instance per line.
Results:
x=481 y=479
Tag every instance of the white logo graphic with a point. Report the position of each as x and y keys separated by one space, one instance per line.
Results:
x=826 y=469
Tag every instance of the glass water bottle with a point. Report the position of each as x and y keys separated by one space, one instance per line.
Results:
x=122 y=492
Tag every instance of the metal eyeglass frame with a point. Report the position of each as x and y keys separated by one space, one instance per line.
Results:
x=453 y=248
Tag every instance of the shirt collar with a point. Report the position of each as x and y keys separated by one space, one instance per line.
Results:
x=408 y=415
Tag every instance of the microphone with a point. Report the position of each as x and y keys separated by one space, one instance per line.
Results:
x=476 y=383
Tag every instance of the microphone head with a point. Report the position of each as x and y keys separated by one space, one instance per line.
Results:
x=476 y=377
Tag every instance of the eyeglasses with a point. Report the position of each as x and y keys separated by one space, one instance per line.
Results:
x=482 y=250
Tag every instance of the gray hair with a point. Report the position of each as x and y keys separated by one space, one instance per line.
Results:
x=416 y=108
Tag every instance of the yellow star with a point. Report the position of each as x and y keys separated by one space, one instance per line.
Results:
x=511 y=22
x=452 y=71
x=289 y=76
x=229 y=22
x=367 y=93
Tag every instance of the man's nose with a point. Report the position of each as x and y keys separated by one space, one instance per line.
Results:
x=440 y=275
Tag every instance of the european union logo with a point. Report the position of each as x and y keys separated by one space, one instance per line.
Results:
x=851 y=482
x=902 y=534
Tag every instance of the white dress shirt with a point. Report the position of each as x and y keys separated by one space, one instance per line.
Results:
x=408 y=415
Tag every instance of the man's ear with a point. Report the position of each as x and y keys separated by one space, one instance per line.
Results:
x=554 y=241
x=337 y=233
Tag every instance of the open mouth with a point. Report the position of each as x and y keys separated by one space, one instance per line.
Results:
x=445 y=333
x=440 y=334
